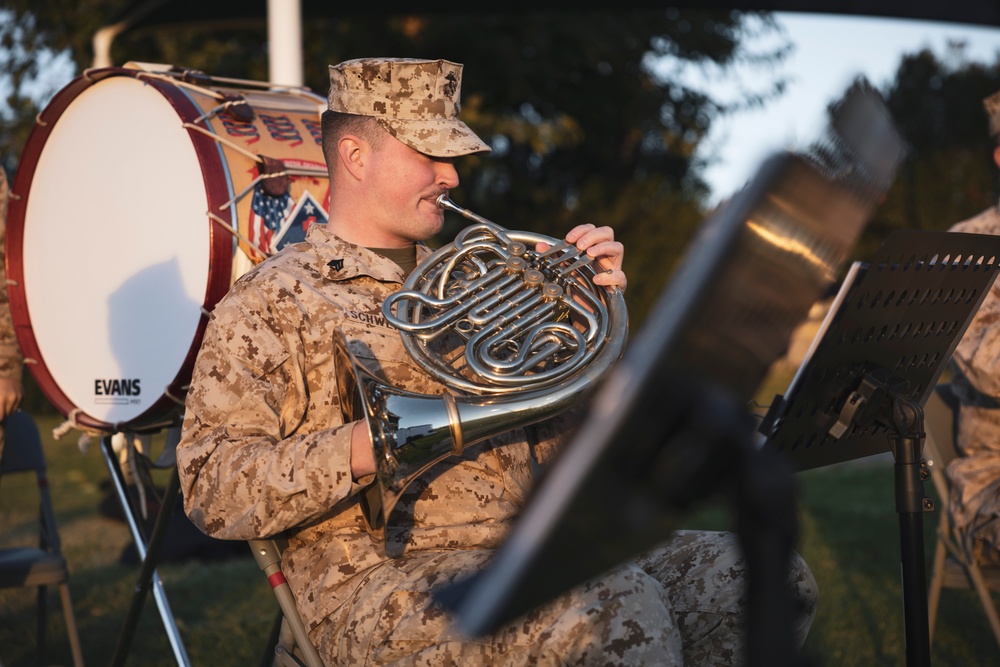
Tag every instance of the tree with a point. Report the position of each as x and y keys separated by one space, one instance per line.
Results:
x=949 y=174
x=584 y=128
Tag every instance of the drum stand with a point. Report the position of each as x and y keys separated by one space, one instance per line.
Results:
x=148 y=548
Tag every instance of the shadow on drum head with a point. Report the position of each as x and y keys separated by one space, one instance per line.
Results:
x=151 y=322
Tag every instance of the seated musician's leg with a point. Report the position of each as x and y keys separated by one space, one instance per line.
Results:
x=704 y=576
x=622 y=618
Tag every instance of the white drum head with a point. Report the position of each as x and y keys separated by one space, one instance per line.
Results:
x=141 y=195
x=116 y=249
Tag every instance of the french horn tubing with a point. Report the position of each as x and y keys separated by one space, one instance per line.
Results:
x=519 y=335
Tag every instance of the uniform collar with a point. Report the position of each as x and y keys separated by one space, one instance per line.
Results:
x=345 y=261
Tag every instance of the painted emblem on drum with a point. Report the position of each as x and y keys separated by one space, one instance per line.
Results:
x=315 y=130
x=277 y=221
x=247 y=131
x=282 y=128
x=117 y=391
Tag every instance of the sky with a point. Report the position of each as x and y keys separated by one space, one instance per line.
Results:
x=830 y=51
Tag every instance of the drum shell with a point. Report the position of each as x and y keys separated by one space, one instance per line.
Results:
x=137 y=280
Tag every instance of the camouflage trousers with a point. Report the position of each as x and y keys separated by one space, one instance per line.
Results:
x=679 y=604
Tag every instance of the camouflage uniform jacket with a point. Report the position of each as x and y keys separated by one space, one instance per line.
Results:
x=10 y=353
x=975 y=476
x=264 y=449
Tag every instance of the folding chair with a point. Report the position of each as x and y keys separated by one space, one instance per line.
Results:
x=292 y=647
x=22 y=567
x=952 y=567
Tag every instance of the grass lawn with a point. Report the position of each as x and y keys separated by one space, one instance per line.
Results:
x=224 y=609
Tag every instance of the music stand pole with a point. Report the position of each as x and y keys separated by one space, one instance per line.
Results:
x=767 y=525
x=910 y=507
x=907 y=447
x=884 y=402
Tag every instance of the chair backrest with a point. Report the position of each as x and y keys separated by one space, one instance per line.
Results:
x=44 y=566
x=952 y=567
x=23 y=450
x=23 y=453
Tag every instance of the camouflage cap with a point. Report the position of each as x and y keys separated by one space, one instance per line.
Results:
x=416 y=101
x=992 y=106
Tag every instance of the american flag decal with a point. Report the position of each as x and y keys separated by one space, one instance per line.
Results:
x=267 y=213
x=277 y=221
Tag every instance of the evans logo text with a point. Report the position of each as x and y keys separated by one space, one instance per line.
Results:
x=117 y=387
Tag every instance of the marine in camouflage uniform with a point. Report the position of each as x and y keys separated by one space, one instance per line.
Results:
x=265 y=451
x=10 y=354
x=975 y=475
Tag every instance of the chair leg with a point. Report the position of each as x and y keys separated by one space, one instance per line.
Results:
x=986 y=600
x=268 y=660
x=71 y=631
x=42 y=622
x=937 y=581
x=286 y=659
x=284 y=650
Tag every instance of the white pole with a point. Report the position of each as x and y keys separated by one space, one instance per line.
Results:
x=101 y=42
x=284 y=36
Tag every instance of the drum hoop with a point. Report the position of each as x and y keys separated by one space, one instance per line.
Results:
x=220 y=244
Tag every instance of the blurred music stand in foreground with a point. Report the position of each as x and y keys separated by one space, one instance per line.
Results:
x=878 y=355
x=670 y=426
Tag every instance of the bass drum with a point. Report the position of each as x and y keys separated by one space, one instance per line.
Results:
x=143 y=192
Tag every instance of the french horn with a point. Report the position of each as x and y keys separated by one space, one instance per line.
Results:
x=519 y=335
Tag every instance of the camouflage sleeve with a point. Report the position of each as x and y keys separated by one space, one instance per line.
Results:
x=10 y=353
x=978 y=353
x=246 y=467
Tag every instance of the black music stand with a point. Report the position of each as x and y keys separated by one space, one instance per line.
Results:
x=860 y=391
